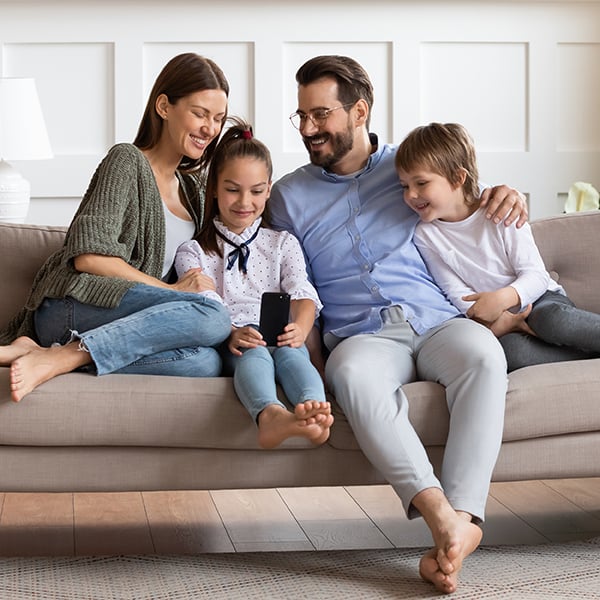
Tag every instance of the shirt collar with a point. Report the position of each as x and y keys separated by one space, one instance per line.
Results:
x=234 y=237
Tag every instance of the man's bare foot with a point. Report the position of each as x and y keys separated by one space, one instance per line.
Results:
x=41 y=364
x=276 y=424
x=441 y=565
x=19 y=347
x=454 y=534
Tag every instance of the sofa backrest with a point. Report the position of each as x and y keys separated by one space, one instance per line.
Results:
x=23 y=250
x=568 y=244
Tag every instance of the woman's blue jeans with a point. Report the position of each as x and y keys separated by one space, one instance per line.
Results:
x=153 y=331
x=258 y=369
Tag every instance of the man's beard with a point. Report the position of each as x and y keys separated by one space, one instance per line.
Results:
x=341 y=144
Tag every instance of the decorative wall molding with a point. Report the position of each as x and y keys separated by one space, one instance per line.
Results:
x=524 y=77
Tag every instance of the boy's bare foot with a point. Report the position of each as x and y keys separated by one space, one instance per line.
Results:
x=19 y=347
x=276 y=424
x=41 y=364
x=455 y=537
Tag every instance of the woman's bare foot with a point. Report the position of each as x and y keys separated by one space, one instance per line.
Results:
x=19 y=347
x=276 y=424
x=41 y=364
x=455 y=537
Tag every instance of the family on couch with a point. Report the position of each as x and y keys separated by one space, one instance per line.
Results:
x=107 y=301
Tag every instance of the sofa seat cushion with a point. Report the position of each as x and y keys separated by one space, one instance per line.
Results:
x=542 y=401
x=80 y=409
x=553 y=399
x=133 y=410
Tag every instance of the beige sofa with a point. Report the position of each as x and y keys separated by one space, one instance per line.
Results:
x=80 y=432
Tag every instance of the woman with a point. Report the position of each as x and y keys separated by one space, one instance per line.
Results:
x=106 y=299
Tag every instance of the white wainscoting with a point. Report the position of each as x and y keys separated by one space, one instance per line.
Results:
x=524 y=77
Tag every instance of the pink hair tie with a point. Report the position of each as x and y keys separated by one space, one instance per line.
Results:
x=247 y=134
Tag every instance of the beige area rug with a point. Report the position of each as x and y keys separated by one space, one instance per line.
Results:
x=549 y=572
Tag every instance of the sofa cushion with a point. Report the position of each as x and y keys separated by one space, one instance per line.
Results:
x=80 y=409
x=541 y=401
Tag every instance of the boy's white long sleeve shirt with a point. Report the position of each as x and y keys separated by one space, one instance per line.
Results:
x=476 y=255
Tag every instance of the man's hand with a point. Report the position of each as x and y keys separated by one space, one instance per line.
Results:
x=506 y=204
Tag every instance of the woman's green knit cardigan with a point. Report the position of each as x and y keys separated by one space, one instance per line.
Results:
x=121 y=214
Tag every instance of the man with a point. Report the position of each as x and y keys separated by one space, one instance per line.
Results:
x=385 y=320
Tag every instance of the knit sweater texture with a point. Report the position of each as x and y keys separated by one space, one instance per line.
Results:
x=121 y=215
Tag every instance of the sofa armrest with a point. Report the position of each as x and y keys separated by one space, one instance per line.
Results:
x=569 y=246
x=23 y=250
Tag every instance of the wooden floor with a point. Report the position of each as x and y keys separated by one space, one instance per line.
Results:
x=339 y=518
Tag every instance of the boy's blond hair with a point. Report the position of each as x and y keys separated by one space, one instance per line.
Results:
x=443 y=148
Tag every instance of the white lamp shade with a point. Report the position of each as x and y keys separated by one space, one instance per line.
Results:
x=23 y=134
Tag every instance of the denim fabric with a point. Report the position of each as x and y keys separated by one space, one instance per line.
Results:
x=564 y=332
x=258 y=369
x=153 y=331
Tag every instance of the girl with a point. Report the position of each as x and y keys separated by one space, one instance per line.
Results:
x=488 y=272
x=106 y=299
x=245 y=259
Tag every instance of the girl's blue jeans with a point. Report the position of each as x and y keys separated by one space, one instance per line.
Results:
x=153 y=331
x=256 y=372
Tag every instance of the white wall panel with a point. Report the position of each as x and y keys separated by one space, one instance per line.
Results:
x=578 y=97
x=454 y=77
x=75 y=86
x=524 y=77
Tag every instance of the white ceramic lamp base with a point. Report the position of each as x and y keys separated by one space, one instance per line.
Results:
x=14 y=194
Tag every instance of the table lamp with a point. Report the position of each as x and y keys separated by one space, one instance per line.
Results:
x=23 y=136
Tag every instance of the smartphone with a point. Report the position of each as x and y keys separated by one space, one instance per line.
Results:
x=274 y=315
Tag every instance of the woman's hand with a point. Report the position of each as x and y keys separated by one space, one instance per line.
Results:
x=194 y=280
x=244 y=337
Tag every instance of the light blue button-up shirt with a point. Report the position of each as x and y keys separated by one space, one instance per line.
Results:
x=356 y=232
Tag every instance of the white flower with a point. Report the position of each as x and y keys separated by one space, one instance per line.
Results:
x=582 y=196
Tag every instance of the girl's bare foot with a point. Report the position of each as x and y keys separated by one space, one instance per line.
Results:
x=41 y=364
x=276 y=424
x=312 y=411
x=19 y=347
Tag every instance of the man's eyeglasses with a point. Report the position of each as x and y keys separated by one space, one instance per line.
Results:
x=318 y=116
